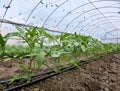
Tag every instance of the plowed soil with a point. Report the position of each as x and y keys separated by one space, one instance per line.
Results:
x=100 y=75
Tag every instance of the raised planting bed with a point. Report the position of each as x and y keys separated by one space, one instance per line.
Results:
x=12 y=68
x=100 y=75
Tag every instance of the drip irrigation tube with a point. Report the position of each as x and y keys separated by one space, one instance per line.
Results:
x=39 y=79
x=35 y=75
x=42 y=73
x=48 y=74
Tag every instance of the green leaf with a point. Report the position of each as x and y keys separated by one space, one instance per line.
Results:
x=20 y=29
x=76 y=43
x=63 y=36
x=2 y=45
x=83 y=48
x=32 y=31
x=55 y=55
x=13 y=78
x=2 y=42
x=26 y=76
x=8 y=35
x=73 y=62
x=40 y=58
x=22 y=66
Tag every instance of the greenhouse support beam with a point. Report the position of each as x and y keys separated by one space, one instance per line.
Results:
x=33 y=11
x=108 y=38
x=5 y=13
x=100 y=24
x=74 y=10
x=77 y=17
x=102 y=13
x=99 y=18
x=117 y=39
x=26 y=25
x=90 y=18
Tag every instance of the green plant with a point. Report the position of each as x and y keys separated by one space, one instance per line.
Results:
x=32 y=37
x=2 y=45
x=65 y=47
x=3 y=41
x=16 y=51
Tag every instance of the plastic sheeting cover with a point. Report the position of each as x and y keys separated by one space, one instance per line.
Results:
x=88 y=17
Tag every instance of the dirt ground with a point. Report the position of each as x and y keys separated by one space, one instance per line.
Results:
x=12 y=67
x=100 y=75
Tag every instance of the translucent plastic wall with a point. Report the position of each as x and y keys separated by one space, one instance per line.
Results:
x=98 y=18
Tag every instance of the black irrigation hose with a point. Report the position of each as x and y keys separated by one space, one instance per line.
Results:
x=43 y=73
x=51 y=73
x=35 y=75
x=7 y=81
x=40 y=79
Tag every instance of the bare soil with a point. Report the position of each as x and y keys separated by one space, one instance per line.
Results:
x=12 y=67
x=100 y=75
x=8 y=69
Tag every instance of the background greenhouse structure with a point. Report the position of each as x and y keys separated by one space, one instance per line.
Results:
x=59 y=45
x=97 y=18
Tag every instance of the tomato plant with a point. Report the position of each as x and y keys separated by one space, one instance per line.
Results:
x=63 y=47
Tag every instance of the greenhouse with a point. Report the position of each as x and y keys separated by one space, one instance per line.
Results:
x=59 y=45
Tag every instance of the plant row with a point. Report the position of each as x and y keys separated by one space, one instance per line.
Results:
x=40 y=44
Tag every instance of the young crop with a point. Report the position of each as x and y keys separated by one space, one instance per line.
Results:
x=111 y=47
x=16 y=51
x=32 y=37
x=63 y=47
x=2 y=45
x=3 y=41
